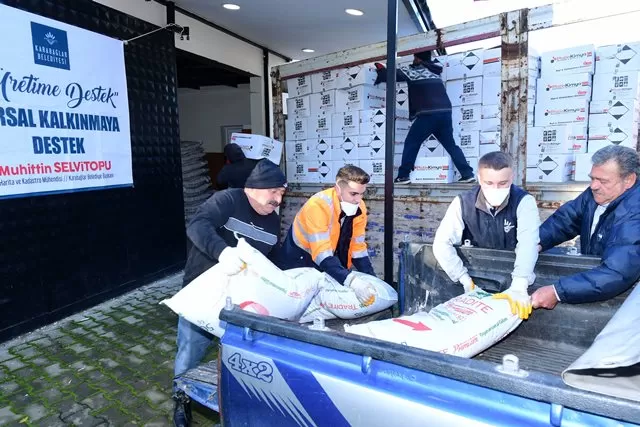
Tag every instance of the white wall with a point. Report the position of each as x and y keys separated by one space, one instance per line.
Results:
x=203 y=113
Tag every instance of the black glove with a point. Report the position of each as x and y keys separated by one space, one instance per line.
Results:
x=381 y=71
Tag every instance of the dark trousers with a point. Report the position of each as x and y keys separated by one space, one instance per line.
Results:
x=440 y=125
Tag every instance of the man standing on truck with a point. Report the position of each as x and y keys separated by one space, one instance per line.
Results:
x=213 y=232
x=328 y=233
x=606 y=216
x=494 y=215
x=430 y=111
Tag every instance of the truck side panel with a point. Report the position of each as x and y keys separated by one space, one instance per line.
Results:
x=272 y=380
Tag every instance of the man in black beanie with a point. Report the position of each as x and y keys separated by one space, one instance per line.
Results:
x=230 y=214
x=430 y=111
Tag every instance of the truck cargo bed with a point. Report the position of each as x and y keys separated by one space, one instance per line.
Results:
x=534 y=354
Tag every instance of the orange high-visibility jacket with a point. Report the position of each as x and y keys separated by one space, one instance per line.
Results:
x=316 y=228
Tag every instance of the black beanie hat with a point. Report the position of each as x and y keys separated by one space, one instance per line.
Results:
x=266 y=174
x=425 y=56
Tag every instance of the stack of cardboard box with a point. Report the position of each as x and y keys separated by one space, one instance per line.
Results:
x=561 y=114
x=490 y=124
x=614 y=112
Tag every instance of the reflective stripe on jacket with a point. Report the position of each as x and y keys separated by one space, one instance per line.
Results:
x=316 y=228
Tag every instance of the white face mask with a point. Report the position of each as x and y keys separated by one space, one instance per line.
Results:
x=495 y=196
x=349 y=209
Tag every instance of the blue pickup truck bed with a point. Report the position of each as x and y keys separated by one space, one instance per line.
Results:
x=274 y=372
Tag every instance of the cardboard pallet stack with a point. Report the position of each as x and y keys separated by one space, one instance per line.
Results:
x=490 y=124
x=614 y=112
x=561 y=114
x=336 y=118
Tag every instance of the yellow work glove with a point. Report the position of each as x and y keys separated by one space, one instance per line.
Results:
x=519 y=300
x=467 y=283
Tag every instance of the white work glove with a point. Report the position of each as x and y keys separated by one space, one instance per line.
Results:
x=365 y=292
x=230 y=261
x=467 y=283
x=518 y=298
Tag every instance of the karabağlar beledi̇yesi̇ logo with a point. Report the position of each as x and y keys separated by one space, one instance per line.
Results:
x=50 y=46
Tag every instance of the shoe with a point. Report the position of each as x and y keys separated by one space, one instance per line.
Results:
x=402 y=180
x=182 y=410
x=470 y=179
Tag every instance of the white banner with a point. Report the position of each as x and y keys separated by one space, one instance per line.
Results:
x=64 y=111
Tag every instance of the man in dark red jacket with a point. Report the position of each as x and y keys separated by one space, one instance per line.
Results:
x=606 y=216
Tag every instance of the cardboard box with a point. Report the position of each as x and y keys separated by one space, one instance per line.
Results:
x=320 y=126
x=550 y=168
x=323 y=102
x=469 y=143
x=601 y=137
x=555 y=113
x=365 y=74
x=311 y=175
x=491 y=90
x=299 y=106
x=432 y=170
x=491 y=117
x=375 y=169
x=319 y=149
x=564 y=86
x=471 y=161
x=489 y=142
x=345 y=124
x=622 y=85
x=465 y=91
x=360 y=98
x=398 y=147
x=258 y=146
x=301 y=172
x=371 y=147
x=567 y=139
x=325 y=80
x=583 y=167
x=299 y=86
x=465 y=64
x=614 y=113
x=326 y=172
x=296 y=129
x=345 y=149
x=443 y=60
x=402 y=98
x=466 y=118
x=617 y=58
x=295 y=151
x=373 y=122
x=431 y=147
x=579 y=59
x=492 y=63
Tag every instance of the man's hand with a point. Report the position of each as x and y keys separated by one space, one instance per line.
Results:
x=518 y=299
x=230 y=261
x=381 y=70
x=364 y=291
x=467 y=283
x=545 y=297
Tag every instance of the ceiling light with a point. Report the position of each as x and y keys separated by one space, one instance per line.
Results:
x=354 y=12
x=307 y=50
x=231 y=6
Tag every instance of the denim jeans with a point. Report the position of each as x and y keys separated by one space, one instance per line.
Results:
x=440 y=125
x=193 y=342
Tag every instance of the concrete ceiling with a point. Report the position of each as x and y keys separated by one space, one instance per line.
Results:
x=288 y=26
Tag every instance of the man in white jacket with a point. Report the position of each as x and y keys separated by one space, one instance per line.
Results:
x=494 y=215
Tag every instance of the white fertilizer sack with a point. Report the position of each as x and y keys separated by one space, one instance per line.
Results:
x=334 y=300
x=261 y=288
x=463 y=326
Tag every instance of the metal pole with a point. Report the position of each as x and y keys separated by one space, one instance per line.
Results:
x=392 y=34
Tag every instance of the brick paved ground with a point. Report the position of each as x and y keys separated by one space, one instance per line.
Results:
x=111 y=365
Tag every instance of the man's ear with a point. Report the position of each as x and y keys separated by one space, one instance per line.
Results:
x=630 y=180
